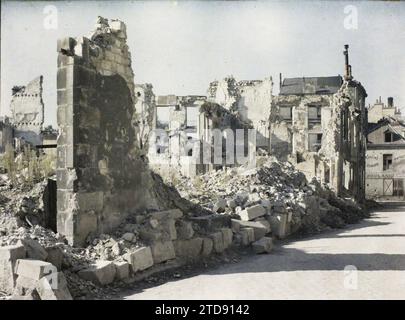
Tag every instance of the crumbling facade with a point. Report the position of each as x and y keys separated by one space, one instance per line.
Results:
x=101 y=177
x=145 y=109
x=27 y=110
x=319 y=124
x=385 y=161
x=225 y=139
x=175 y=139
x=250 y=100
x=188 y=123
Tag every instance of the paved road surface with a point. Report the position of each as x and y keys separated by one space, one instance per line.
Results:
x=312 y=268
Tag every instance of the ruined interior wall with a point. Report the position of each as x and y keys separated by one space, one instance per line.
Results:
x=225 y=92
x=295 y=132
x=27 y=110
x=249 y=100
x=254 y=106
x=100 y=176
x=181 y=138
x=145 y=109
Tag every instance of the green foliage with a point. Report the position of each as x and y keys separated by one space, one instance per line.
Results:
x=27 y=167
x=8 y=162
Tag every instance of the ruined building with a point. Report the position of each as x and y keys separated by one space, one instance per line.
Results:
x=27 y=110
x=250 y=100
x=145 y=114
x=176 y=132
x=192 y=143
x=319 y=124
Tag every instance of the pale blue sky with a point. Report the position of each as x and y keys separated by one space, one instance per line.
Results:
x=180 y=47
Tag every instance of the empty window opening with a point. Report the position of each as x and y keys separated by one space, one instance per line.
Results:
x=286 y=113
x=387 y=162
x=314 y=113
x=314 y=142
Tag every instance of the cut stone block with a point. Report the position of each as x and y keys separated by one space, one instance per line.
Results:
x=279 y=225
x=188 y=248
x=227 y=236
x=35 y=250
x=259 y=230
x=50 y=288
x=121 y=270
x=55 y=256
x=264 y=245
x=168 y=214
x=212 y=222
x=184 y=230
x=265 y=224
x=140 y=259
x=218 y=242
x=253 y=212
x=8 y=257
x=150 y=235
x=170 y=228
x=24 y=286
x=163 y=251
x=128 y=236
x=247 y=236
x=207 y=246
x=33 y=269
x=100 y=273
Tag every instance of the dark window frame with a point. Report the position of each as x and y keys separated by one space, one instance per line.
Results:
x=387 y=162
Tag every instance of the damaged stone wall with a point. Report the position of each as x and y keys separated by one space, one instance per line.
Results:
x=145 y=109
x=289 y=136
x=176 y=152
x=250 y=99
x=100 y=175
x=214 y=117
x=27 y=110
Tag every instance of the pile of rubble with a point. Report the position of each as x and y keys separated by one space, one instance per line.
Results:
x=31 y=255
x=275 y=192
x=20 y=205
x=222 y=209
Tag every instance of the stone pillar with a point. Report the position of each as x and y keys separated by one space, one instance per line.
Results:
x=101 y=177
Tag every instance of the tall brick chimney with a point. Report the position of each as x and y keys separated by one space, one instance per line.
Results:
x=348 y=67
x=390 y=102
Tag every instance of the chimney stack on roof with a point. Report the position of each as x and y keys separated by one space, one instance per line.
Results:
x=390 y=102
x=348 y=67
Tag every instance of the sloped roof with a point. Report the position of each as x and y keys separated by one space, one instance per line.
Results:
x=311 y=85
x=392 y=122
